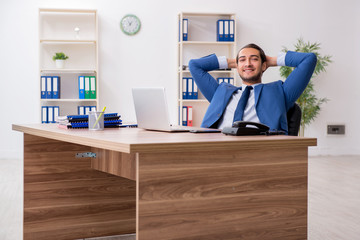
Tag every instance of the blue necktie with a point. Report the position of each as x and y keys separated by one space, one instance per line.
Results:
x=239 y=112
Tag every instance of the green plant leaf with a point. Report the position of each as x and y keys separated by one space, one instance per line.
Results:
x=310 y=104
x=60 y=56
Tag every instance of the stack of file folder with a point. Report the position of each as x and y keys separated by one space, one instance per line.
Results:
x=187 y=116
x=83 y=110
x=225 y=30
x=111 y=120
x=189 y=88
x=50 y=87
x=87 y=87
x=49 y=114
x=227 y=80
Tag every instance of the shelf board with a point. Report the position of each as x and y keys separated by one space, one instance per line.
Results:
x=205 y=42
x=68 y=41
x=58 y=70
x=196 y=14
x=193 y=100
x=49 y=10
x=214 y=71
x=68 y=100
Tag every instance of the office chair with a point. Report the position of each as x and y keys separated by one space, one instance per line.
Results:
x=294 y=119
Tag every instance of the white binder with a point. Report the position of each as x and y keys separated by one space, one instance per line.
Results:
x=190 y=88
x=55 y=87
x=48 y=87
x=226 y=30
x=184 y=89
x=185 y=29
x=44 y=112
x=50 y=114
x=43 y=87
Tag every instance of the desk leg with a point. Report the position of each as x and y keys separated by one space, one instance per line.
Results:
x=65 y=199
x=214 y=195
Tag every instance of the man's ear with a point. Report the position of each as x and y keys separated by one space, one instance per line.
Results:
x=264 y=66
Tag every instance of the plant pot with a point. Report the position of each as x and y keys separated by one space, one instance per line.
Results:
x=60 y=63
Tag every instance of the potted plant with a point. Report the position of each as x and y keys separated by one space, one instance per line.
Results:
x=59 y=59
x=308 y=102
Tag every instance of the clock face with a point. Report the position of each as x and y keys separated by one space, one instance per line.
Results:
x=130 y=24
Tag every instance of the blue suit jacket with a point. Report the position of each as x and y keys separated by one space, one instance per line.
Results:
x=272 y=100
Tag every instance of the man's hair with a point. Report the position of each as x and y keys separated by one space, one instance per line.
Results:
x=253 y=45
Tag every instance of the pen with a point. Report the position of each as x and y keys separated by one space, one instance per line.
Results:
x=97 y=120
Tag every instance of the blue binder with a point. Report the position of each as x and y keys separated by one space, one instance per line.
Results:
x=56 y=113
x=226 y=31
x=44 y=114
x=43 y=87
x=231 y=81
x=220 y=30
x=87 y=109
x=195 y=88
x=190 y=91
x=185 y=29
x=50 y=114
x=56 y=87
x=48 y=87
x=231 y=30
x=184 y=116
x=184 y=88
x=81 y=87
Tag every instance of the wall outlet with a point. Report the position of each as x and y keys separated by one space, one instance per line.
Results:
x=336 y=129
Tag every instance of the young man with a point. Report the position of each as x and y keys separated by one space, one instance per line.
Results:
x=267 y=103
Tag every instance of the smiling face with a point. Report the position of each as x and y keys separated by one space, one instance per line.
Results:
x=250 y=66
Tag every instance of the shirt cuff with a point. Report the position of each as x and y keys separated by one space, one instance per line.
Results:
x=222 y=62
x=281 y=59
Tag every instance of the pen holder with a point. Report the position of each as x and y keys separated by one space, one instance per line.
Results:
x=96 y=120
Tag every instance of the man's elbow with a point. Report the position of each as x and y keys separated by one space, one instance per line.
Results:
x=192 y=65
x=313 y=58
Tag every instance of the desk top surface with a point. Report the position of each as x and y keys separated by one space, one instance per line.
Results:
x=132 y=140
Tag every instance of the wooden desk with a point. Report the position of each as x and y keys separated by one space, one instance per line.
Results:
x=163 y=185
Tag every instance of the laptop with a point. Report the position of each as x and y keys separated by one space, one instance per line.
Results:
x=152 y=111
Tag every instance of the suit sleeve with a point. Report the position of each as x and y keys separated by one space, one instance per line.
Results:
x=199 y=69
x=295 y=84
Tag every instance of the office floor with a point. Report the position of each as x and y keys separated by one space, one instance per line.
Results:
x=334 y=199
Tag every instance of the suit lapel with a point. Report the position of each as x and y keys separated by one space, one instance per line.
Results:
x=257 y=91
x=228 y=93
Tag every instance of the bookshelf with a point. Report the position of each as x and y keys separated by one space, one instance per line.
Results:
x=74 y=32
x=202 y=41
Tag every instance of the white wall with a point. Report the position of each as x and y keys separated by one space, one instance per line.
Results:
x=149 y=58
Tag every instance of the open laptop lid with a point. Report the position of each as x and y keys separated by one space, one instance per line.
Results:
x=151 y=108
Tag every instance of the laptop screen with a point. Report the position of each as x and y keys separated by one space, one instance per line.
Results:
x=151 y=108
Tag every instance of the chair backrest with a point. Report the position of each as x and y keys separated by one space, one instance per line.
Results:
x=294 y=119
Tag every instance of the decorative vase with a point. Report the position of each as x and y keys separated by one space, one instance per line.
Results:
x=60 y=63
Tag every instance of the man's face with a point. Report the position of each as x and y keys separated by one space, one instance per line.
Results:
x=249 y=65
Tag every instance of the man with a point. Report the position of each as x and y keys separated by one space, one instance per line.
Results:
x=267 y=103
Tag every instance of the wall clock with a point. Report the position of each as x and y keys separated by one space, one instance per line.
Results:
x=130 y=24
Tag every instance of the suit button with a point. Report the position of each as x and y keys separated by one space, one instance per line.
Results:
x=219 y=115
